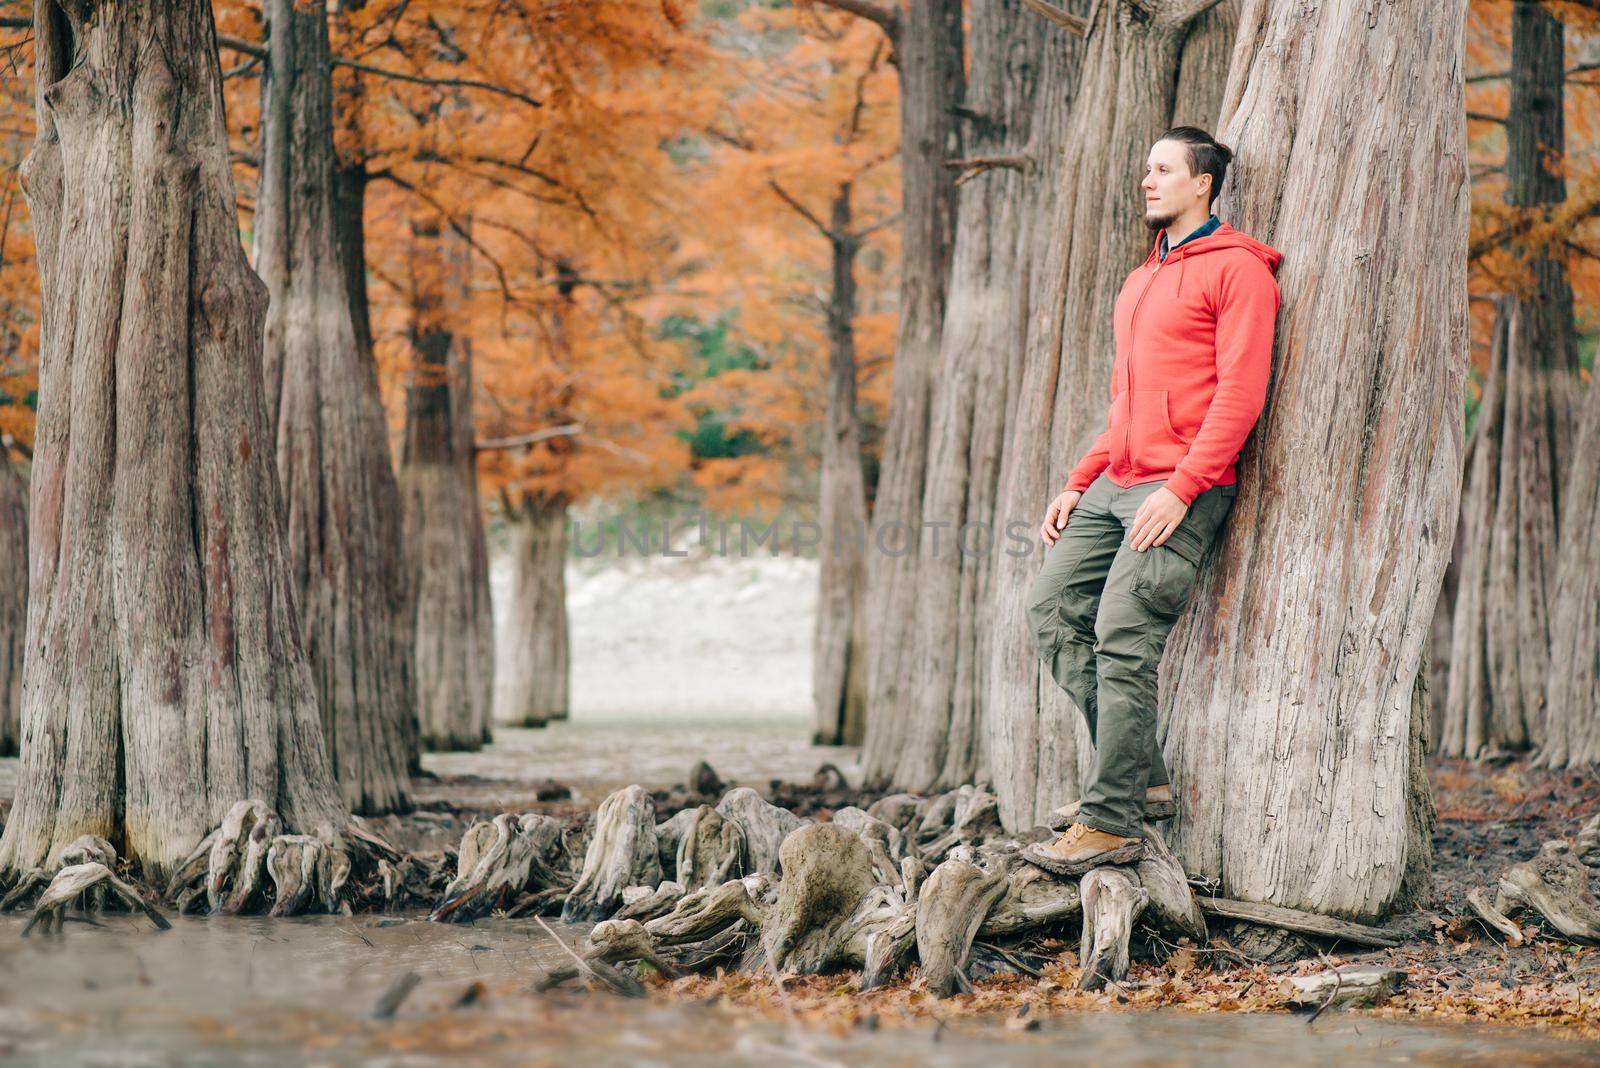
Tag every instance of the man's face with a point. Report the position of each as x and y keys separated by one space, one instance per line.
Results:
x=1169 y=188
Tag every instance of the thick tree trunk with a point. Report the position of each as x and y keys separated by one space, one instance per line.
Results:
x=1511 y=504
x=928 y=52
x=1127 y=96
x=532 y=670
x=1022 y=79
x=342 y=516
x=838 y=673
x=1572 y=721
x=1293 y=681
x=165 y=677
x=13 y=602
x=446 y=556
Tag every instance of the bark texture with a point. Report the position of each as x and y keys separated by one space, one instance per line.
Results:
x=1572 y=735
x=1134 y=60
x=1018 y=96
x=928 y=53
x=342 y=517
x=1511 y=504
x=532 y=669
x=13 y=602
x=165 y=677
x=838 y=672
x=446 y=557
x=1293 y=686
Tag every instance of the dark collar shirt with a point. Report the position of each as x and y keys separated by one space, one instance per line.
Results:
x=1201 y=231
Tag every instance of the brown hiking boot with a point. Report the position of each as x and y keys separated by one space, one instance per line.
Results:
x=1159 y=804
x=1081 y=848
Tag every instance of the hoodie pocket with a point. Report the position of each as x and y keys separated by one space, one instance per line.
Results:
x=1153 y=445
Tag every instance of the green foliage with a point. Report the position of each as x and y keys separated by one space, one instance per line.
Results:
x=714 y=354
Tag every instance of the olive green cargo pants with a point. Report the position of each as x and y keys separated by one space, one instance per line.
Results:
x=1100 y=614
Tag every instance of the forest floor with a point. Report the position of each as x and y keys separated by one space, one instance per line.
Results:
x=1456 y=969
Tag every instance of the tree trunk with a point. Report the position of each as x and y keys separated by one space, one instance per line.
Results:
x=532 y=672
x=928 y=53
x=1510 y=507
x=165 y=677
x=350 y=238
x=838 y=674
x=447 y=558
x=1572 y=735
x=1133 y=65
x=13 y=602
x=342 y=516
x=1293 y=681
x=1023 y=75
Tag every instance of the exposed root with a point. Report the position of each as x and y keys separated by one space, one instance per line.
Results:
x=952 y=905
x=1552 y=887
x=765 y=826
x=500 y=860
x=76 y=882
x=246 y=866
x=1112 y=901
x=622 y=853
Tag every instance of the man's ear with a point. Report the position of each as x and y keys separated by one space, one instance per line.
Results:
x=1205 y=184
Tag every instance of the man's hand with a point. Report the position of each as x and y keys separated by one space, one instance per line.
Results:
x=1156 y=519
x=1055 y=520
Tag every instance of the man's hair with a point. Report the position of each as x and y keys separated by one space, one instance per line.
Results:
x=1206 y=155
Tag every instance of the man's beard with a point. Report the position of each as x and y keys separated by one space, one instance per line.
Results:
x=1159 y=222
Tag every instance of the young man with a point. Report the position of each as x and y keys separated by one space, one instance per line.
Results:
x=1194 y=326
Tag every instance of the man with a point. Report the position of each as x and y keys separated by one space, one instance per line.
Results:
x=1194 y=330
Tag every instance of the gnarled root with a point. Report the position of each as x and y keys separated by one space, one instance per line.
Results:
x=234 y=866
x=75 y=882
x=642 y=903
x=1555 y=886
x=622 y=853
x=1172 y=913
x=501 y=859
x=1034 y=902
x=889 y=947
x=711 y=851
x=952 y=905
x=85 y=849
x=827 y=872
x=1112 y=901
x=974 y=817
x=765 y=826
x=710 y=910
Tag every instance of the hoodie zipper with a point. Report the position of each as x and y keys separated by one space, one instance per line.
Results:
x=1133 y=324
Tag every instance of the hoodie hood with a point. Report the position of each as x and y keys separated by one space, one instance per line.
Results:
x=1222 y=237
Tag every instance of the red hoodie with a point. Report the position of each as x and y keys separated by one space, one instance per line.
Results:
x=1194 y=348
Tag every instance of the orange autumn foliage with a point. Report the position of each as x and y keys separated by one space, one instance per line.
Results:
x=1572 y=229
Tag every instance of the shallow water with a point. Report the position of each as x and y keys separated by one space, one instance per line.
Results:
x=257 y=992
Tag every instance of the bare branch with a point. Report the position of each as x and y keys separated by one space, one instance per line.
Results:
x=885 y=15
x=417 y=79
x=973 y=166
x=252 y=48
x=888 y=220
x=518 y=440
x=1581 y=68
x=1478 y=116
x=805 y=212
x=1074 y=24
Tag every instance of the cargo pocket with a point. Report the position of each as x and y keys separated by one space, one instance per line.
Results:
x=1165 y=577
